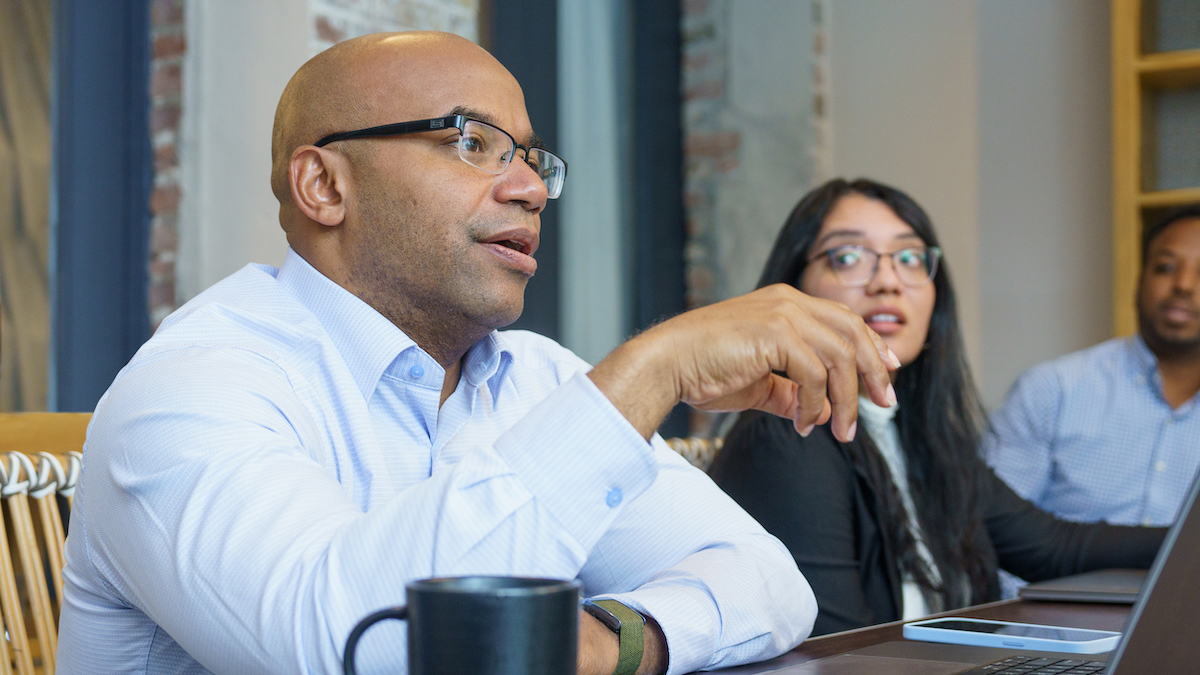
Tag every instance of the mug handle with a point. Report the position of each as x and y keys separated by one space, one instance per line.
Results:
x=361 y=627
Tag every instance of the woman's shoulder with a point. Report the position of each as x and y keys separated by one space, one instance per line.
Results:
x=803 y=490
x=763 y=444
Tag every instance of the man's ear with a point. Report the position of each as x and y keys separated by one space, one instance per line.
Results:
x=318 y=179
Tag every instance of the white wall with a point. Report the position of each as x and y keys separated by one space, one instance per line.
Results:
x=904 y=112
x=1045 y=176
x=994 y=115
x=240 y=57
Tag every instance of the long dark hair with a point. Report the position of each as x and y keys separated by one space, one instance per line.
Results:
x=940 y=420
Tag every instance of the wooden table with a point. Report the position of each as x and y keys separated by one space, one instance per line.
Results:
x=1073 y=614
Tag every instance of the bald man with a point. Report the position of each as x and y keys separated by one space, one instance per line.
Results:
x=296 y=444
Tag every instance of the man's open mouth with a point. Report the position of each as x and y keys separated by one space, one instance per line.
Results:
x=520 y=239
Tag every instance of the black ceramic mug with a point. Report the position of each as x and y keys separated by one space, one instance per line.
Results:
x=484 y=626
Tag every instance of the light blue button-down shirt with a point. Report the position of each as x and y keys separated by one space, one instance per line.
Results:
x=1090 y=437
x=273 y=465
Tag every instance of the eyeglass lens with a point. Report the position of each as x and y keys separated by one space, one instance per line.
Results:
x=856 y=265
x=488 y=148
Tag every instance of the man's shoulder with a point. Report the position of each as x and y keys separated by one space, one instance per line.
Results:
x=247 y=309
x=244 y=349
x=244 y=321
x=1089 y=367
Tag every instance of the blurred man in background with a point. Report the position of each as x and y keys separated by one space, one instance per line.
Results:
x=1113 y=432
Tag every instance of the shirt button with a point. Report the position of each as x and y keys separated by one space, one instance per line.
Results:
x=1147 y=522
x=1160 y=466
x=416 y=372
x=614 y=497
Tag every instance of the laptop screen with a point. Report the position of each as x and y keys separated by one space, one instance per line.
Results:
x=1158 y=634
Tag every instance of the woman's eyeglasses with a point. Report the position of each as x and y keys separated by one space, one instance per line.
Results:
x=858 y=265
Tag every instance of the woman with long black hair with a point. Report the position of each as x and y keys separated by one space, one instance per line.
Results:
x=906 y=519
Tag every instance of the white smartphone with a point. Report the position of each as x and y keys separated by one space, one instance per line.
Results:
x=987 y=633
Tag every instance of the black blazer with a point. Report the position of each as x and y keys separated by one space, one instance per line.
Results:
x=807 y=492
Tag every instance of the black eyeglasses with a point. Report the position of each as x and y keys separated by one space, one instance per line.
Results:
x=480 y=144
x=858 y=265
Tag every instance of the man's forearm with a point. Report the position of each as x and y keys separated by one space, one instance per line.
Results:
x=775 y=350
x=631 y=382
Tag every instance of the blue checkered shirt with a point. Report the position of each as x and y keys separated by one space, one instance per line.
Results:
x=1090 y=437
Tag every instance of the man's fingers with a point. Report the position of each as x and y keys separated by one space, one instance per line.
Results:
x=873 y=358
x=809 y=372
x=839 y=361
x=777 y=395
x=874 y=370
x=879 y=383
x=840 y=394
x=826 y=413
x=843 y=395
x=776 y=350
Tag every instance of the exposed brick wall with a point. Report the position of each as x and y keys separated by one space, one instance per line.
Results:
x=709 y=147
x=731 y=214
x=337 y=20
x=169 y=44
x=822 y=153
x=713 y=128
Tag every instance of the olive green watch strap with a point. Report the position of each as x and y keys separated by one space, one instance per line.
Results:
x=632 y=638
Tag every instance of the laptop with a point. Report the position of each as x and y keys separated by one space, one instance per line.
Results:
x=1161 y=635
x=1111 y=586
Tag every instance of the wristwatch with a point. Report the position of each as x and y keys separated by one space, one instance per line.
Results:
x=630 y=627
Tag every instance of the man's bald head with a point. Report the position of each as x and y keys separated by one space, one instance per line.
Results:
x=438 y=245
x=368 y=81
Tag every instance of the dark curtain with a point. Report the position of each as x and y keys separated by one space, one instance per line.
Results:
x=25 y=30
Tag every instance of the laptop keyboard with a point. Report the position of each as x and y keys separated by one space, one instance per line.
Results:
x=1032 y=665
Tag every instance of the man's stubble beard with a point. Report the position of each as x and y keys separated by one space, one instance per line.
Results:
x=1165 y=346
x=427 y=291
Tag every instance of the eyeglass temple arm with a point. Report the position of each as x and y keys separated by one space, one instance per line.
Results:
x=396 y=129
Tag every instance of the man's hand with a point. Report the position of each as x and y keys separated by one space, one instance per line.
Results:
x=599 y=648
x=775 y=350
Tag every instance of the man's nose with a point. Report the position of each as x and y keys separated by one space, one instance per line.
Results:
x=521 y=184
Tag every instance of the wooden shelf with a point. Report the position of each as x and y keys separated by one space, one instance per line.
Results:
x=1137 y=78
x=1168 y=198
x=1129 y=67
x=1170 y=70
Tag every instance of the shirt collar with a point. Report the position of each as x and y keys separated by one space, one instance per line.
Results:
x=488 y=361
x=367 y=341
x=1146 y=365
